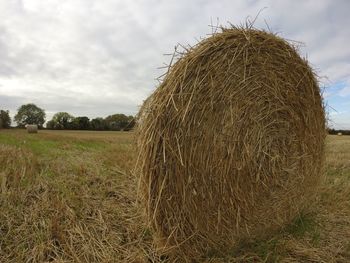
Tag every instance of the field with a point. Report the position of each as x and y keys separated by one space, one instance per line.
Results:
x=71 y=197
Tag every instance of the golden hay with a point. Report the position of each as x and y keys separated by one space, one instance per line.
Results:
x=32 y=128
x=17 y=165
x=231 y=143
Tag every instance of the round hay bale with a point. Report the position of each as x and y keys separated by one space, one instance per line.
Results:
x=339 y=134
x=32 y=128
x=231 y=143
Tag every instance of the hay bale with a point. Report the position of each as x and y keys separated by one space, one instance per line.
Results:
x=339 y=134
x=231 y=143
x=32 y=128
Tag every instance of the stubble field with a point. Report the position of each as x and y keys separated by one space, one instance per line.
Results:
x=70 y=196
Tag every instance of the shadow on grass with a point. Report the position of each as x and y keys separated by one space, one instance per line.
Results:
x=272 y=249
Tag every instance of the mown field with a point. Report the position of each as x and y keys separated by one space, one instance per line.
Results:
x=71 y=197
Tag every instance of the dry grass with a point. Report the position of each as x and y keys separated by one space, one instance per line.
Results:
x=231 y=144
x=80 y=206
x=18 y=168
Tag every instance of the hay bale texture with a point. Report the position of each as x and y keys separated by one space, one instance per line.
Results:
x=32 y=128
x=231 y=143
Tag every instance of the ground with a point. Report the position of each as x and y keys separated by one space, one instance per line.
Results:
x=71 y=197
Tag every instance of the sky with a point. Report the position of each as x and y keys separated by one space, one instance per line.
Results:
x=96 y=58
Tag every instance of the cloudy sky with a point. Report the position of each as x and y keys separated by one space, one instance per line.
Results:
x=96 y=58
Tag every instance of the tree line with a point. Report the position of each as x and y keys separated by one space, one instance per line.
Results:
x=335 y=132
x=32 y=114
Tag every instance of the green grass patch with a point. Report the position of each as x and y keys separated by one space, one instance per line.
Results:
x=36 y=144
x=10 y=140
x=338 y=173
x=303 y=225
x=42 y=147
x=88 y=145
x=270 y=250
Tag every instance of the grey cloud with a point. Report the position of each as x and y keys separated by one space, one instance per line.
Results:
x=99 y=57
x=10 y=102
x=79 y=106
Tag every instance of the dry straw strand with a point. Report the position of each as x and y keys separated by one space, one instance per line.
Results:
x=230 y=144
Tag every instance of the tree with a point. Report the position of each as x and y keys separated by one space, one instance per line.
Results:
x=30 y=114
x=81 y=123
x=5 y=120
x=51 y=125
x=98 y=124
x=117 y=122
x=61 y=120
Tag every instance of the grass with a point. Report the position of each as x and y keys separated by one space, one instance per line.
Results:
x=78 y=204
x=303 y=225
